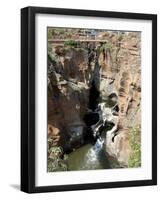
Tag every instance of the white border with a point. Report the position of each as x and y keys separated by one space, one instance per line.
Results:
x=94 y=176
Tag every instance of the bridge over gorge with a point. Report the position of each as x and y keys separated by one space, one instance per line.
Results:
x=79 y=40
x=85 y=41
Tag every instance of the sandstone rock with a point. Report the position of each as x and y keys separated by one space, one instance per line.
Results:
x=54 y=134
x=116 y=73
x=123 y=64
x=118 y=147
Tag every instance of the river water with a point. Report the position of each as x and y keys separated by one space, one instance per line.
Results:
x=88 y=157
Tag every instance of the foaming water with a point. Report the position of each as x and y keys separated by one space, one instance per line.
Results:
x=88 y=157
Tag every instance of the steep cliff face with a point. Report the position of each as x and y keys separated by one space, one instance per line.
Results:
x=68 y=93
x=113 y=70
x=121 y=77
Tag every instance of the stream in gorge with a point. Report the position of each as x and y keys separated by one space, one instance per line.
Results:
x=88 y=157
x=92 y=154
x=86 y=146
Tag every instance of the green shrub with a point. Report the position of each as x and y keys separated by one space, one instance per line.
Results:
x=60 y=31
x=72 y=43
x=135 y=158
x=120 y=36
x=106 y=46
x=52 y=57
x=56 y=158
x=49 y=34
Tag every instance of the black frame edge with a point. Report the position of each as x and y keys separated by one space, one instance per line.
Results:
x=92 y=13
x=27 y=101
x=154 y=99
x=93 y=186
x=24 y=100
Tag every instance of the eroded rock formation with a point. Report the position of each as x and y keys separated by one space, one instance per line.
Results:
x=121 y=75
x=114 y=68
x=68 y=93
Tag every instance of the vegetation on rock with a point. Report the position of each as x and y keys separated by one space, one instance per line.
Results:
x=135 y=158
x=106 y=46
x=52 y=58
x=72 y=43
x=56 y=159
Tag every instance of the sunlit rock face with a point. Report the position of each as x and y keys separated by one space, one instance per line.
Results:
x=121 y=75
x=119 y=147
x=115 y=72
x=54 y=135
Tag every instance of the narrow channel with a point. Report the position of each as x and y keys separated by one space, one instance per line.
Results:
x=91 y=155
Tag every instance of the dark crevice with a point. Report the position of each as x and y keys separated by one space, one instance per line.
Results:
x=93 y=97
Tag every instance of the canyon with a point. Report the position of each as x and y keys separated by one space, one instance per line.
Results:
x=94 y=98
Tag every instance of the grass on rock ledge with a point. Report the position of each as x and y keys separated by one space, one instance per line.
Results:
x=135 y=158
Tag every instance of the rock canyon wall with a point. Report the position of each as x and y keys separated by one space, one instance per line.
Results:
x=102 y=78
